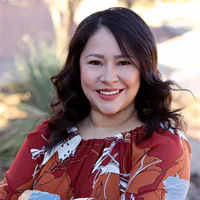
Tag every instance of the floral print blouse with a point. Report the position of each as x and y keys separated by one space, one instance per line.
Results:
x=113 y=168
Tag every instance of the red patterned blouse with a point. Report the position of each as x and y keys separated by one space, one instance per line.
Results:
x=111 y=168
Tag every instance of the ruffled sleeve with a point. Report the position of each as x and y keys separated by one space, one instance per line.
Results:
x=160 y=167
x=20 y=176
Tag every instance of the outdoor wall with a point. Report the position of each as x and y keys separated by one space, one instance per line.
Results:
x=15 y=21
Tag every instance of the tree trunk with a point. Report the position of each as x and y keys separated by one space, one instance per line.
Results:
x=128 y=3
x=62 y=13
x=60 y=18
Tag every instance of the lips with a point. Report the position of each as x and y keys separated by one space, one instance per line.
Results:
x=109 y=94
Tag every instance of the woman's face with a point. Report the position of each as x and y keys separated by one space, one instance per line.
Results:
x=109 y=80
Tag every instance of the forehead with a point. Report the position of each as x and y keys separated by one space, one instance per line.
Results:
x=103 y=42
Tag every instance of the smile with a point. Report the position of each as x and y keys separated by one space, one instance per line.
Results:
x=109 y=95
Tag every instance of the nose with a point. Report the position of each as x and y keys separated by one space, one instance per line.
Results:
x=109 y=74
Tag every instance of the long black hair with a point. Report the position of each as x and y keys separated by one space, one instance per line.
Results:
x=134 y=37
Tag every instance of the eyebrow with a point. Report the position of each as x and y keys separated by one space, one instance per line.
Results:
x=102 y=56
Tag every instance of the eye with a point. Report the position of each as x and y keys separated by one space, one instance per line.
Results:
x=124 y=63
x=95 y=62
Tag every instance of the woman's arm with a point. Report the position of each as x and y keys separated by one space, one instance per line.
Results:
x=163 y=172
x=20 y=176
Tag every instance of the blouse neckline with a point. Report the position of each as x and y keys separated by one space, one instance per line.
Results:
x=120 y=135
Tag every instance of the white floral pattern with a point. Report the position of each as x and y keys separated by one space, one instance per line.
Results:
x=176 y=188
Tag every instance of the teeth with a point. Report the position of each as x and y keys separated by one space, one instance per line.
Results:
x=109 y=93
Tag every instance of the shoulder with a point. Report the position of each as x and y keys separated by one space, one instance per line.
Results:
x=171 y=138
x=174 y=139
x=169 y=145
x=39 y=136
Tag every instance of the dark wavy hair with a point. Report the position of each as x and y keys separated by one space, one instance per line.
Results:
x=134 y=37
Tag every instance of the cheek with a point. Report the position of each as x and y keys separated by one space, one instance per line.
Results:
x=87 y=79
x=131 y=78
x=135 y=81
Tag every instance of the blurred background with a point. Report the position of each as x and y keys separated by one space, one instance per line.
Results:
x=34 y=35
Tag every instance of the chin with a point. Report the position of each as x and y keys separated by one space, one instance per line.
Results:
x=109 y=112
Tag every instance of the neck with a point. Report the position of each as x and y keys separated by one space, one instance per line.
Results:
x=100 y=120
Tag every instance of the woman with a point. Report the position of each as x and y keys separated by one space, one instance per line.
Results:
x=112 y=133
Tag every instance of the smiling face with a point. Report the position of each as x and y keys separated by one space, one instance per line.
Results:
x=109 y=80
